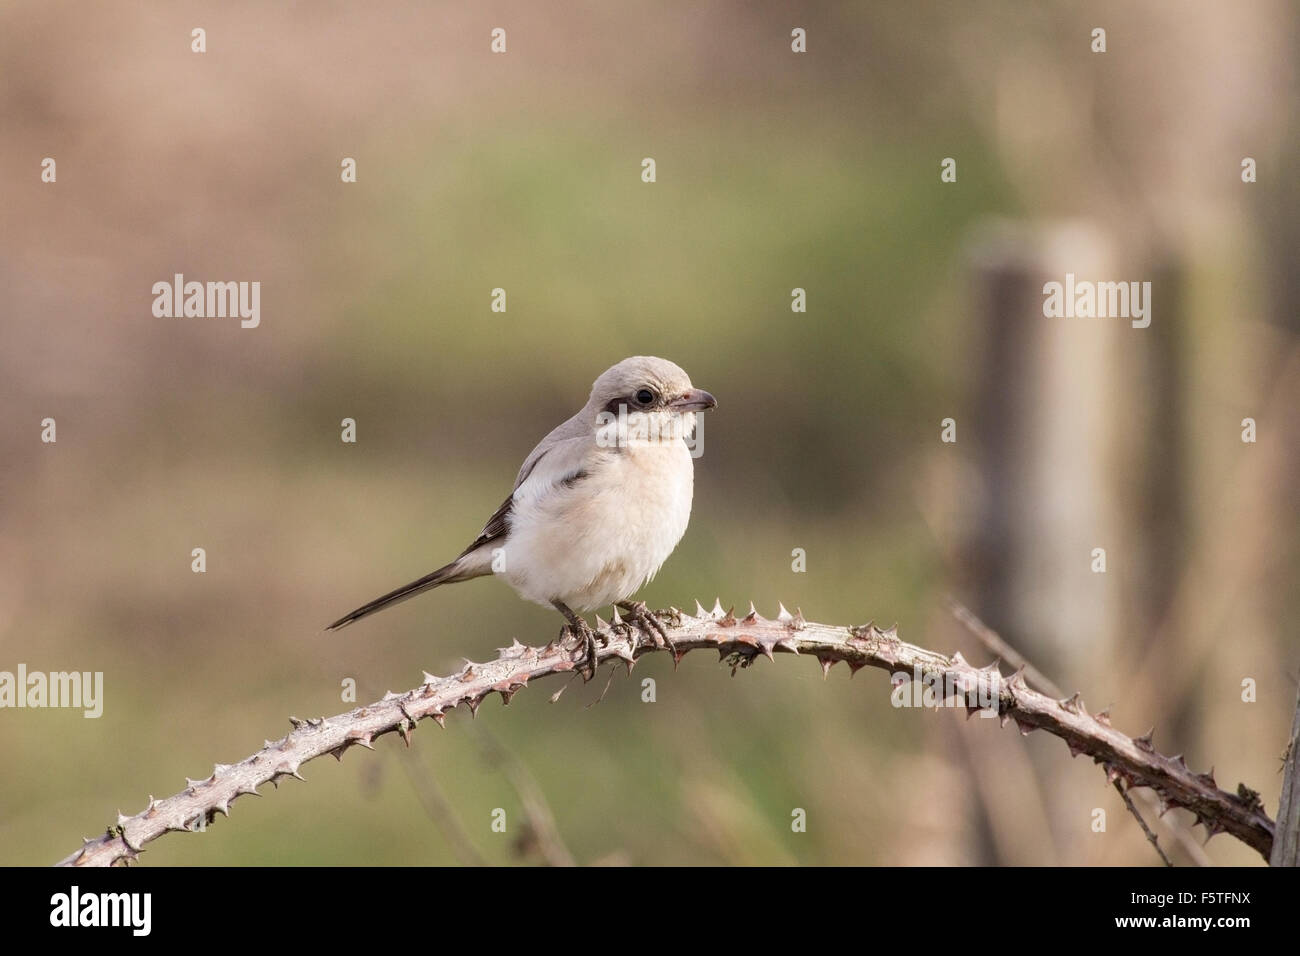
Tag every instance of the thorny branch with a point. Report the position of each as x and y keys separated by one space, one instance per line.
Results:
x=1132 y=761
x=994 y=644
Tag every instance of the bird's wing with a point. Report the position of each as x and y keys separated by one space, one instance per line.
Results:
x=557 y=460
x=495 y=528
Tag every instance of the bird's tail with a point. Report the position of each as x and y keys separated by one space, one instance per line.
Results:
x=459 y=570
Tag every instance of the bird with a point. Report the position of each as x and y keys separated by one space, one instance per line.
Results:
x=596 y=509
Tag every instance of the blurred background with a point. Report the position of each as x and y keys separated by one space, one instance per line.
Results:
x=775 y=171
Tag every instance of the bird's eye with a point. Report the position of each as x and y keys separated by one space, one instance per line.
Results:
x=645 y=397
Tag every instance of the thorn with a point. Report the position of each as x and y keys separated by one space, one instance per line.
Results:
x=766 y=648
x=729 y=619
x=958 y=660
x=1075 y=749
x=1144 y=742
x=1025 y=728
x=616 y=619
x=223 y=808
x=121 y=817
x=250 y=789
x=1178 y=759
x=1208 y=778
x=798 y=623
x=827 y=664
x=789 y=643
x=473 y=703
x=515 y=649
x=1017 y=680
x=439 y=718
x=405 y=728
x=699 y=609
x=428 y=679
x=296 y=722
x=752 y=616
x=783 y=615
x=717 y=608
x=1073 y=704
x=891 y=632
x=1102 y=717
x=601 y=625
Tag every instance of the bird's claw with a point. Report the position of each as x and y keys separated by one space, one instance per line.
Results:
x=586 y=638
x=645 y=621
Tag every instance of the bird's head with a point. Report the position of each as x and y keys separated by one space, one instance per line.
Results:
x=646 y=400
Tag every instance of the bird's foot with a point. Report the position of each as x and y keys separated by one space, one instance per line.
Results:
x=586 y=639
x=645 y=621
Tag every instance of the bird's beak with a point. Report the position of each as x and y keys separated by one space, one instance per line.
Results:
x=695 y=400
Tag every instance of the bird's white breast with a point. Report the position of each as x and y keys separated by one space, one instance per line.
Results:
x=600 y=539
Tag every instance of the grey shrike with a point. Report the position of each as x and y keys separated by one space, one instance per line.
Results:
x=597 y=507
